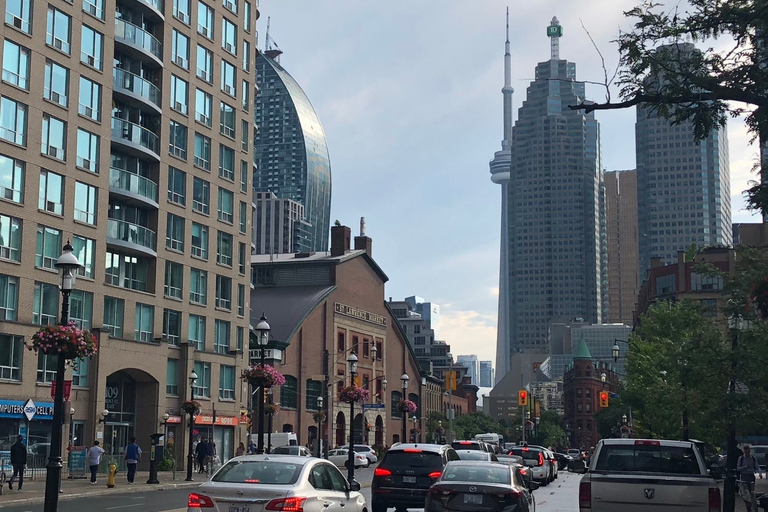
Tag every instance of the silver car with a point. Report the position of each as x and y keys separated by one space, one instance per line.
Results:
x=368 y=451
x=257 y=483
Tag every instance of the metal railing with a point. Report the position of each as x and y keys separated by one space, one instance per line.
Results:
x=139 y=37
x=133 y=233
x=130 y=182
x=133 y=83
x=132 y=132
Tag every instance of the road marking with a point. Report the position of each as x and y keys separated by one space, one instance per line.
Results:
x=125 y=506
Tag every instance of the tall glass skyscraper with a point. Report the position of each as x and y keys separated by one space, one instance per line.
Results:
x=291 y=154
x=555 y=218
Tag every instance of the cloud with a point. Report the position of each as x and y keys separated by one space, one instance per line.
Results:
x=469 y=332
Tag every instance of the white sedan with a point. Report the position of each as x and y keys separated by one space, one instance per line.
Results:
x=340 y=457
x=256 y=483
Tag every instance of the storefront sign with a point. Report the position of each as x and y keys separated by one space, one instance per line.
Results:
x=207 y=419
x=67 y=389
x=15 y=409
x=30 y=409
x=77 y=461
x=361 y=314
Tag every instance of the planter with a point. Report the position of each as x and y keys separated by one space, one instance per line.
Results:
x=406 y=406
x=267 y=376
x=352 y=394
x=65 y=340
x=191 y=407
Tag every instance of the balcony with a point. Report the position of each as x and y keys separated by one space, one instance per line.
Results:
x=153 y=8
x=133 y=187
x=138 y=40
x=135 y=90
x=131 y=237
x=136 y=139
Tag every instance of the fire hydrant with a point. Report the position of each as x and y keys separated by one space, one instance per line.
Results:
x=111 y=476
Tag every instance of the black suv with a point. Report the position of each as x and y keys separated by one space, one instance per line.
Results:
x=405 y=474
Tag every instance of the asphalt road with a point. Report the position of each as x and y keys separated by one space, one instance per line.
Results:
x=151 y=501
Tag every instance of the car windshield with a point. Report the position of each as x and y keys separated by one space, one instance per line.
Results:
x=258 y=472
x=285 y=450
x=473 y=455
x=649 y=459
x=362 y=448
x=478 y=474
x=419 y=459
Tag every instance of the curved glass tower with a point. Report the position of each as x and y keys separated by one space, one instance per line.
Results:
x=290 y=152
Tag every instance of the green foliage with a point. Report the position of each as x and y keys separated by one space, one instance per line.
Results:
x=468 y=425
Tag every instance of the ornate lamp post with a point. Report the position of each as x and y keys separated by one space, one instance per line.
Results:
x=320 y=436
x=602 y=379
x=262 y=332
x=404 y=380
x=352 y=362
x=190 y=454
x=67 y=265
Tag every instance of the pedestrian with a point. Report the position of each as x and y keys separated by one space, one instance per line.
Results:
x=211 y=459
x=94 y=457
x=132 y=457
x=201 y=452
x=18 y=461
x=747 y=466
x=252 y=447
x=194 y=450
x=240 y=450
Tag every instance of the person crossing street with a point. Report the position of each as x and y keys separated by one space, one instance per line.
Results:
x=18 y=461
x=747 y=466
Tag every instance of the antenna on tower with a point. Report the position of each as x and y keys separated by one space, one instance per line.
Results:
x=275 y=53
x=507 y=23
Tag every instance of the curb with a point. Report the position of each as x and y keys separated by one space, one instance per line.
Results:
x=124 y=489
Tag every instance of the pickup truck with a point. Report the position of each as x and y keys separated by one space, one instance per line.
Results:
x=643 y=474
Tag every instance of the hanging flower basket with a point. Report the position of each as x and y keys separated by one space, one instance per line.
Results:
x=416 y=430
x=272 y=408
x=191 y=407
x=257 y=375
x=759 y=296
x=406 y=406
x=352 y=394
x=319 y=417
x=66 y=340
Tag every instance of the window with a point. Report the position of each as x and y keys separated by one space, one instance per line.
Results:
x=88 y=151
x=172 y=326
x=179 y=94
x=246 y=56
x=57 y=33
x=113 y=316
x=226 y=163
x=45 y=307
x=18 y=13
x=46 y=368
x=92 y=48
x=201 y=196
x=395 y=398
x=228 y=78
x=227 y=123
x=243 y=221
x=85 y=251
x=9 y=297
x=665 y=284
x=246 y=95
x=54 y=138
x=240 y=300
x=704 y=282
x=90 y=99
x=198 y=286
x=247 y=16
x=204 y=20
x=340 y=346
x=15 y=64
x=177 y=140
x=203 y=387
x=289 y=393
x=86 y=198
x=49 y=246
x=708 y=307
x=203 y=151
x=203 y=107
x=10 y=238
x=81 y=308
x=240 y=336
x=172 y=377
x=230 y=5
x=223 y=292
x=174 y=236
x=204 y=64
x=226 y=205
x=181 y=11
x=10 y=356
x=13 y=121
x=228 y=34
x=227 y=382
x=180 y=49
x=11 y=179
x=244 y=136
x=177 y=186
x=95 y=8
x=174 y=279
x=51 y=198
x=221 y=337
x=314 y=390
x=224 y=249
x=80 y=372
x=127 y=271
x=197 y=332
x=145 y=319
x=241 y=259
x=243 y=175
x=200 y=241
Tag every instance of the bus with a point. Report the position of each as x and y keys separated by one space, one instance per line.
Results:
x=491 y=439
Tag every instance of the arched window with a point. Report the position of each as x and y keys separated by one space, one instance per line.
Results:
x=314 y=390
x=395 y=398
x=288 y=393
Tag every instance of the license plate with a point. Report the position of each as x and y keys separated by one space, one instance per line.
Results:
x=409 y=479
x=239 y=508
x=473 y=499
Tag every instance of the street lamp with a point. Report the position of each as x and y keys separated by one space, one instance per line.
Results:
x=352 y=362
x=71 y=426
x=615 y=349
x=320 y=437
x=414 y=420
x=262 y=332
x=602 y=378
x=68 y=266
x=191 y=455
x=404 y=380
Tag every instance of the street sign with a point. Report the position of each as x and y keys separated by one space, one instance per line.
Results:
x=30 y=409
x=373 y=406
x=67 y=389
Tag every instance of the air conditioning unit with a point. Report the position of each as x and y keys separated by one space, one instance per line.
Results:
x=58 y=43
x=229 y=89
x=88 y=111
x=53 y=151
x=85 y=164
x=5 y=252
x=56 y=97
x=204 y=31
x=17 y=22
x=182 y=16
x=229 y=48
x=181 y=61
x=91 y=61
x=91 y=9
x=50 y=206
x=7 y=192
x=178 y=106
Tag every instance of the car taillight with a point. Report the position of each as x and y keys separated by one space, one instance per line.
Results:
x=511 y=495
x=382 y=472
x=541 y=459
x=647 y=443
x=465 y=442
x=523 y=471
x=435 y=474
x=714 y=499
x=438 y=493
x=199 y=501
x=413 y=450
x=585 y=495
x=293 y=504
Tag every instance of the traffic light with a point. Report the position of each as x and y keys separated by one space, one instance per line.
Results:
x=603 y=399
x=522 y=397
x=450 y=381
x=248 y=422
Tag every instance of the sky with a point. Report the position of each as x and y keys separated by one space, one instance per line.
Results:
x=409 y=95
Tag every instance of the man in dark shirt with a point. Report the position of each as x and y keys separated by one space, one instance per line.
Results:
x=201 y=454
x=18 y=461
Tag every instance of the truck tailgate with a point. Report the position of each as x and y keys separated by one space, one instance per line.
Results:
x=635 y=493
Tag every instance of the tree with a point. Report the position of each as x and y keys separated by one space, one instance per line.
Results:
x=467 y=426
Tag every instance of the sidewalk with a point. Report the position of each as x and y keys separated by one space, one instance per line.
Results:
x=34 y=491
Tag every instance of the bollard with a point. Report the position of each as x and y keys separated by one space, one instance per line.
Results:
x=111 y=476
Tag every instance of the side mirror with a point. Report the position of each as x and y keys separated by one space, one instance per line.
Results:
x=532 y=486
x=354 y=485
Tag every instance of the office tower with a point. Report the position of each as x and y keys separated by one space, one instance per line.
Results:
x=429 y=311
x=683 y=186
x=473 y=369
x=621 y=238
x=290 y=150
x=555 y=253
x=486 y=374
x=147 y=174
x=279 y=225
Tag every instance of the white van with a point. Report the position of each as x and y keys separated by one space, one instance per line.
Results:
x=277 y=439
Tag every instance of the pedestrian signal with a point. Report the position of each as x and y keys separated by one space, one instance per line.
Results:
x=603 y=399
x=522 y=397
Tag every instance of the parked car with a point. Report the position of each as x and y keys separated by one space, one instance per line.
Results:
x=368 y=451
x=474 y=444
x=759 y=451
x=340 y=457
x=280 y=483
x=403 y=477
x=467 y=485
x=476 y=455
x=535 y=459
x=292 y=450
